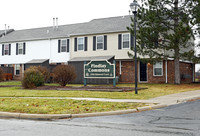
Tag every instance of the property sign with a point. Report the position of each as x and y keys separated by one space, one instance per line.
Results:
x=99 y=69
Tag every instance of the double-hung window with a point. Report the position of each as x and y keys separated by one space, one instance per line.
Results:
x=20 y=48
x=63 y=46
x=80 y=43
x=6 y=49
x=126 y=41
x=158 y=69
x=17 y=69
x=100 y=43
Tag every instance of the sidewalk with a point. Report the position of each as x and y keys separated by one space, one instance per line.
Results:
x=167 y=99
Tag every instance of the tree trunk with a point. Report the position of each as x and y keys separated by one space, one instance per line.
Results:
x=176 y=49
x=177 y=68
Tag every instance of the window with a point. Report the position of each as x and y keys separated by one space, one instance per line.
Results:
x=20 y=48
x=99 y=42
x=125 y=40
x=158 y=69
x=63 y=46
x=80 y=44
x=6 y=49
x=17 y=69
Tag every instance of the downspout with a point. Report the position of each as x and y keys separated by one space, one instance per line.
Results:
x=120 y=67
x=193 y=71
x=166 y=81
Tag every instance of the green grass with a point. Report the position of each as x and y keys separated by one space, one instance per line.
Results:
x=154 y=90
x=56 y=106
x=10 y=83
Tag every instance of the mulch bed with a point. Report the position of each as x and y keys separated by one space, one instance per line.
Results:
x=10 y=85
x=82 y=88
x=89 y=88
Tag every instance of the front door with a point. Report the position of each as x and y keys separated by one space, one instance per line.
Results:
x=143 y=72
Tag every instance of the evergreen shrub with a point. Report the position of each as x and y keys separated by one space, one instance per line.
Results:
x=32 y=78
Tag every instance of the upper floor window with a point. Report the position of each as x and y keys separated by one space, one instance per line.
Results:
x=125 y=41
x=80 y=43
x=6 y=49
x=158 y=69
x=100 y=42
x=63 y=47
x=20 y=48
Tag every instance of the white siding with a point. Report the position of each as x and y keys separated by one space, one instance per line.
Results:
x=43 y=49
x=56 y=57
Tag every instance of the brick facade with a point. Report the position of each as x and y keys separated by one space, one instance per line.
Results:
x=128 y=72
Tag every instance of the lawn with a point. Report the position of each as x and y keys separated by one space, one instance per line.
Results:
x=154 y=90
x=52 y=106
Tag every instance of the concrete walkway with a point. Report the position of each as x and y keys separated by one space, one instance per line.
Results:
x=167 y=99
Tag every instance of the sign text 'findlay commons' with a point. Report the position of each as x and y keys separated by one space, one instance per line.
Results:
x=99 y=69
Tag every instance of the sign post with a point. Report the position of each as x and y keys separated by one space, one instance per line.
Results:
x=99 y=69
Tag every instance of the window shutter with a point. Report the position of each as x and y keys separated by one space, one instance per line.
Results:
x=105 y=42
x=75 y=44
x=67 y=45
x=58 y=46
x=16 y=48
x=94 y=43
x=9 y=49
x=119 y=41
x=85 y=49
x=132 y=46
x=24 y=48
x=2 y=49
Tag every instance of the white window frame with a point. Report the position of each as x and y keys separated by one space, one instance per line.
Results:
x=5 y=49
x=22 y=45
x=126 y=41
x=61 y=45
x=154 y=67
x=100 y=42
x=16 y=68
x=78 y=43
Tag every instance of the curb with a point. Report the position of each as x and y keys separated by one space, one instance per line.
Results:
x=188 y=99
x=67 y=116
x=34 y=116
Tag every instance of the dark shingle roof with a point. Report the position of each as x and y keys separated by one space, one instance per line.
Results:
x=2 y=32
x=96 y=26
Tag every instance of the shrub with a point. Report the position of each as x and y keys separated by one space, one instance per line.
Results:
x=45 y=72
x=1 y=74
x=64 y=74
x=32 y=78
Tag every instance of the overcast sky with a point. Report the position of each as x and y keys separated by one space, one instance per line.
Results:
x=25 y=14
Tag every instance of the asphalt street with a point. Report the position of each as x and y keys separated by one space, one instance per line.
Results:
x=177 y=120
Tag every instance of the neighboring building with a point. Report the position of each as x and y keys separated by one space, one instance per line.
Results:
x=4 y=32
x=106 y=38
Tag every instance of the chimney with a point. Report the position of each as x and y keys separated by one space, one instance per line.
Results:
x=56 y=23
x=5 y=29
x=8 y=28
x=53 y=23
